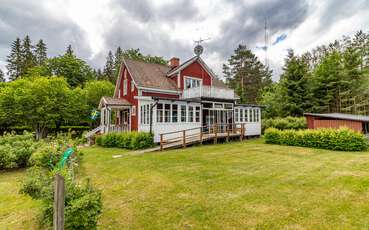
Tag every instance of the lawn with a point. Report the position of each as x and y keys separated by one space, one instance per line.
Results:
x=16 y=211
x=226 y=186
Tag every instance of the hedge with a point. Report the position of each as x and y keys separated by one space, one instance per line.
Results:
x=343 y=139
x=127 y=140
x=285 y=123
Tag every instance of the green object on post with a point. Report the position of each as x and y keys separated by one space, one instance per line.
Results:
x=65 y=157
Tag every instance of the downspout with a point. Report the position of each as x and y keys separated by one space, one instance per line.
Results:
x=151 y=110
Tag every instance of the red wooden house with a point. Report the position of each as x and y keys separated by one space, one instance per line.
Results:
x=173 y=97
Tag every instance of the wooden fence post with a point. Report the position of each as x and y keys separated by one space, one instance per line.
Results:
x=242 y=131
x=59 y=202
x=184 y=138
x=161 y=142
x=227 y=133
x=215 y=134
x=201 y=135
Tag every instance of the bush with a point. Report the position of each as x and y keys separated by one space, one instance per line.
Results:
x=51 y=151
x=343 y=139
x=15 y=150
x=127 y=140
x=83 y=204
x=285 y=123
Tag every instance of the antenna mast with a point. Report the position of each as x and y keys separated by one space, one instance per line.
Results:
x=266 y=43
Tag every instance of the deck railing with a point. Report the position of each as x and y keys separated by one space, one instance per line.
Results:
x=208 y=91
x=201 y=134
x=115 y=128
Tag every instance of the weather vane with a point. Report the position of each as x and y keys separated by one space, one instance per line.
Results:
x=198 y=47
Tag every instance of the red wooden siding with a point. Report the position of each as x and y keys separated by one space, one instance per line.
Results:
x=130 y=97
x=310 y=122
x=195 y=70
x=336 y=124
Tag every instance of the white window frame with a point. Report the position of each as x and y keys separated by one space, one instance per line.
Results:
x=185 y=113
x=192 y=80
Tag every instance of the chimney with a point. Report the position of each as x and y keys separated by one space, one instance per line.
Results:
x=174 y=62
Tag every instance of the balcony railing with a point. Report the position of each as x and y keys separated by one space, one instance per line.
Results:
x=208 y=91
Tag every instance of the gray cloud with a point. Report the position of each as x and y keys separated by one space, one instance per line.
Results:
x=143 y=24
x=19 y=18
x=247 y=24
x=145 y=11
x=337 y=10
x=128 y=31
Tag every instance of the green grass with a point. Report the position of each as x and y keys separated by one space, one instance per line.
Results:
x=17 y=211
x=227 y=186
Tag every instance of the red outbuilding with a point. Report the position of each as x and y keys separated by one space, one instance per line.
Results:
x=358 y=123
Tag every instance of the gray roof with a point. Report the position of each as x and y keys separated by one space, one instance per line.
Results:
x=341 y=116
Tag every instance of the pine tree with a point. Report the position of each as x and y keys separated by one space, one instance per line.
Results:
x=246 y=74
x=14 y=60
x=328 y=82
x=294 y=85
x=99 y=74
x=109 y=73
x=2 y=77
x=28 y=58
x=69 y=51
x=118 y=58
x=40 y=52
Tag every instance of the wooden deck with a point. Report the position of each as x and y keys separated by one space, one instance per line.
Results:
x=184 y=138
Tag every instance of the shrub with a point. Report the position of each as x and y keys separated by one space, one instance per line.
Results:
x=83 y=204
x=15 y=150
x=36 y=183
x=51 y=151
x=343 y=139
x=127 y=140
x=285 y=123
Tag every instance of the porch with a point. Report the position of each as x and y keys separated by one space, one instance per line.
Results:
x=115 y=115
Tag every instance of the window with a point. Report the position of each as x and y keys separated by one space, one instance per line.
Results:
x=190 y=113
x=174 y=113
x=132 y=86
x=192 y=83
x=183 y=113
x=142 y=114
x=167 y=113
x=228 y=106
x=125 y=87
x=159 y=113
x=251 y=118
x=147 y=120
x=236 y=115
x=246 y=115
x=197 y=114
x=134 y=110
x=256 y=115
x=143 y=119
x=241 y=115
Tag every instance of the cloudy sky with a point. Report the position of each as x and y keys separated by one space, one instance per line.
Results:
x=168 y=28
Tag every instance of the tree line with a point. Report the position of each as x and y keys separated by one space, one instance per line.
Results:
x=320 y=80
x=46 y=92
